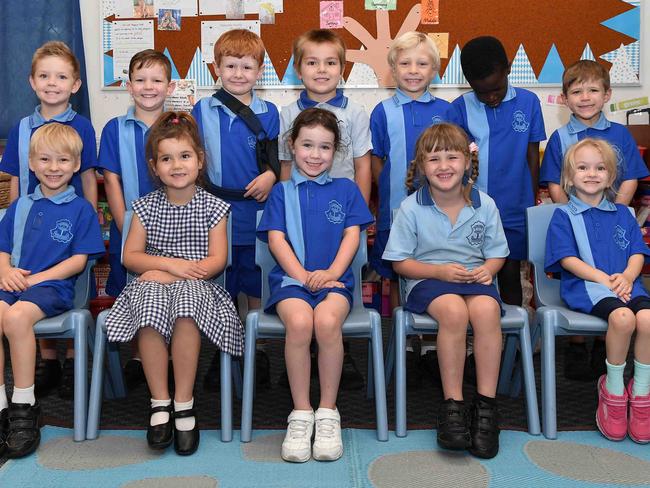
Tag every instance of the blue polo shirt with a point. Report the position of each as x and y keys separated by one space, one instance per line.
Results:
x=15 y=159
x=122 y=151
x=423 y=232
x=40 y=232
x=231 y=156
x=395 y=124
x=603 y=237
x=313 y=215
x=503 y=134
x=629 y=164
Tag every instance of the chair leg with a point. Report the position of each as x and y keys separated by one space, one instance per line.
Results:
x=549 y=413
x=380 y=386
x=400 y=373
x=249 y=378
x=226 y=397
x=115 y=375
x=515 y=385
x=97 y=377
x=532 y=410
x=82 y=319
x=506 y=373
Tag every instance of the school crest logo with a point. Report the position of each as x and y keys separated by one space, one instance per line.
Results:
x=519 y=122
x=252 y=141
x=619 y=237
x=620 y=161
x=62 y=231
x=477 y=235
x=335 y=212
x=436 y=119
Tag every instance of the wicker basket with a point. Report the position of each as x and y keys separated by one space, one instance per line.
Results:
x=4 y=189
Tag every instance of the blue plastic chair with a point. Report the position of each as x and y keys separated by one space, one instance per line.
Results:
x=73 y=324
x=114 y=378
x=552 y=314
x=360 y=323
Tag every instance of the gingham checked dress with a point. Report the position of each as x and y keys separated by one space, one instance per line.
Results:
x=178 y=231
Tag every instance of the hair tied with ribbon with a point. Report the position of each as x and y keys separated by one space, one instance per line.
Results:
x=473 y=148
x=175 y=121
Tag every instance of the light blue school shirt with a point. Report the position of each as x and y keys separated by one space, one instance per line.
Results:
x=423 y=232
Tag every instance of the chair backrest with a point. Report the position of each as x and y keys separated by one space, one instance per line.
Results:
x=220 y=280
x=265 y=260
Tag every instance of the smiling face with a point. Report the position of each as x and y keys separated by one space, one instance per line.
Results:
x=590 y=176
x=177 y=164
x=414 y=70
x=313 y=150
x=320 y=70
x=444 y=170
x=239 y=75
x=53 y=169
x=149 y=87
x=54 y=82
x=586 y=99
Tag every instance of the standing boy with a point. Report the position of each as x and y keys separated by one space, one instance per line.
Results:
x=123 y=163
x=586 y=89
x=235 y=174
x=506 y=123
x=46 y=239
x=54 y=78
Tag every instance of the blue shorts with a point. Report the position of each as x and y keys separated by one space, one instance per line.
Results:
x=116 y=277
x=48 y=298
x=312 y=298
x=607 y=305
x=381 y=266
x=517 y=242
x=243 y=275
x=426 y=291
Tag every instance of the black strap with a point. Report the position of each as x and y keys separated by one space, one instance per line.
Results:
x=225 y=193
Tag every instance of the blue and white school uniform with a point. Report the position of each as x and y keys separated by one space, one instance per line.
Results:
x=232 y=164
x=122 y=151
x=354 y=127
x=15 y=159
x=503 y=134
x=423 y=232
x=178 y=231
x=40 y=232
x=629 y=165
x=395 y=124
x=604 y=237
x=313 y=215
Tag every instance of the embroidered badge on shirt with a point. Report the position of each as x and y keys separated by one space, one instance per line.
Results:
x=477 y=236
x=335 y=212
x=252 y=141
x=519 y=123
x=436 y=119
x=619 y=237
x=62 y=231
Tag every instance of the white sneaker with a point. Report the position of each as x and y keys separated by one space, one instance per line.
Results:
x=296 y=447
x=328 y=445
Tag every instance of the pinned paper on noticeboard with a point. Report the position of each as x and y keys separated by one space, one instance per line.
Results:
x=430 y=12
x=442 y=42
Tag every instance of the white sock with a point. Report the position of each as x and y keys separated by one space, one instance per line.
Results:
x=24 y=395
x=3 y=398
x=159 y=418
x=188 y=422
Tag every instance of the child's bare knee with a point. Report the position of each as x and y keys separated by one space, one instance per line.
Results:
x=622 y=320
x=642 y=323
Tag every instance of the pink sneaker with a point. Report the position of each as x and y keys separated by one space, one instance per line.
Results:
x=611 y=416
x=639 y=425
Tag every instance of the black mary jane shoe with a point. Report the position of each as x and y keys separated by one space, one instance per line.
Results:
x=160 y=436
x=24 y=432
x=186 y=442
x=4 y=427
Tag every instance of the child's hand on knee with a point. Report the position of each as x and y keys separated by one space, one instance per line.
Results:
x=456 y=273
x=333 y=284
x=15 y=279
x=620 y=285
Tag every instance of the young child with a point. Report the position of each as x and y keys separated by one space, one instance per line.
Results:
x=177 y=242
x=312 y=223
x=506 y=123
x=586 y=89
x=54 y=78
x=448 y=242
x=46 y=239
x=122 y=161
x=234 y=172
x=319 y=61
x=597 y=247
x=395 y=124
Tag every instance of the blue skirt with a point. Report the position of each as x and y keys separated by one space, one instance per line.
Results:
x=312 y=298
x=426 y=291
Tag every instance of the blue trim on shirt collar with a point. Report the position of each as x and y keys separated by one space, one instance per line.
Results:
x=65 y=196
x=297 y=177
x=424 y=197
x=257 y=105
x=575 y=126
x=402 y=98
x=339 y=100
x=36 y=119
x=577 y=206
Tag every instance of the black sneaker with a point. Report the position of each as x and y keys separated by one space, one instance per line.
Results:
x=134 y=374
x=576 y=363
x=484 y=428
x=453 y=425
x=47 y=376
x=351 y=377
x=211 y=380
x=4 y=428
x=24 y=432
x=66 y=390
x=598 y=357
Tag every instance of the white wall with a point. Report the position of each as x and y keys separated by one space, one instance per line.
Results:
x=107 y=104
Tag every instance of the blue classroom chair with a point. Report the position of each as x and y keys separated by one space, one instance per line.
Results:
x=360 y=323
x=114 y=378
